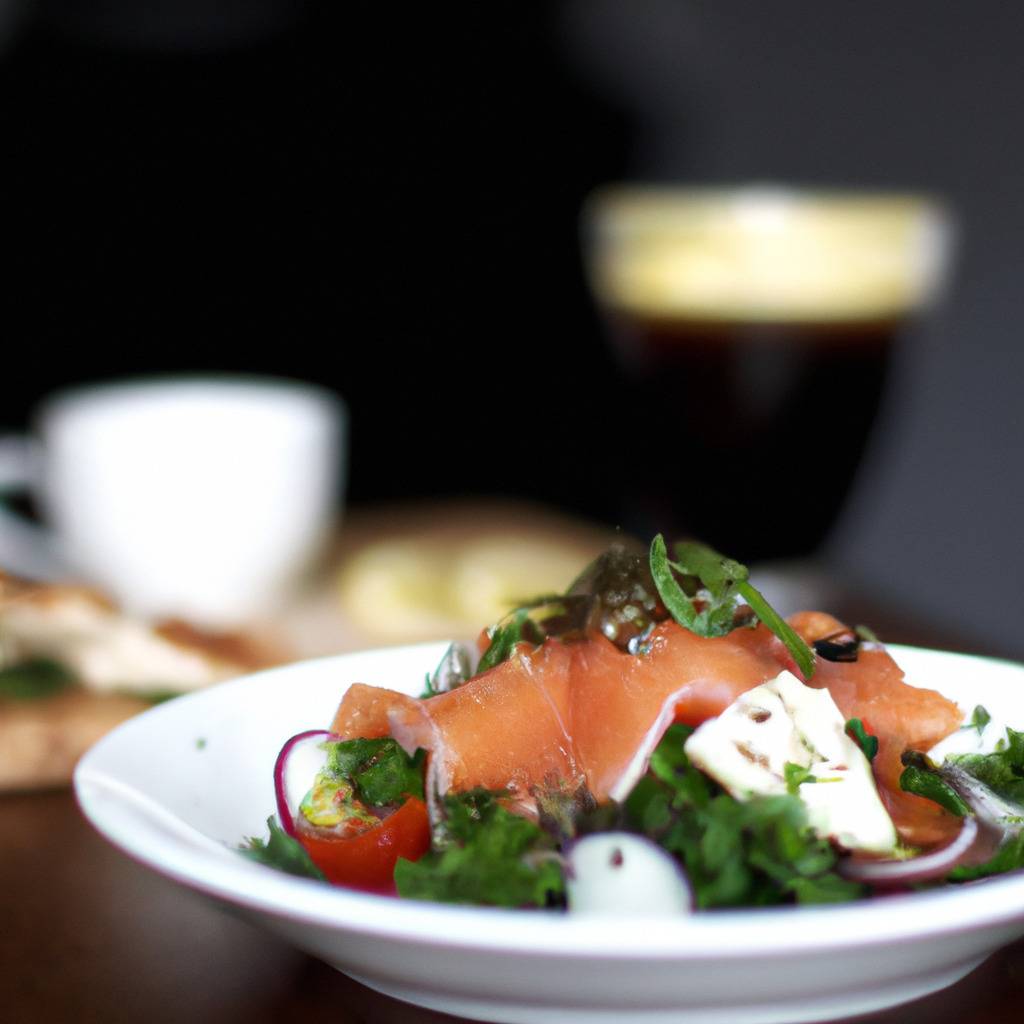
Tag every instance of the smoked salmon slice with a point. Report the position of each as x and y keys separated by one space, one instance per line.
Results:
x=586 y=711
x=623 y=703
x=573 y=712
x=507 y=728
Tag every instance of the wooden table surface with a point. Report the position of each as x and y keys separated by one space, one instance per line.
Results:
x=86 y=935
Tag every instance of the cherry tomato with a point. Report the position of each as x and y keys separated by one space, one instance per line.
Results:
x=367 y=860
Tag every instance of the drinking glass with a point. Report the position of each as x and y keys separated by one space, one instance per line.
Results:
x=753 y=329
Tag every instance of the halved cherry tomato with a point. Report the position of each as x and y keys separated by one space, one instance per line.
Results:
x=367 y=860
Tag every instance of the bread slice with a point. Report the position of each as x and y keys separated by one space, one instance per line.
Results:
x=119 y=665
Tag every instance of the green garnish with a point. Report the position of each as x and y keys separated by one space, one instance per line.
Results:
x=486 y=855
x=979 y=719
x=802 y=654
x=866 y=633
x=867 y=743
x=281 y=851
x=921 y=779
x=514 y=629
x=723 y=581
x=34 y=679
x=380 y=771
x=990 y=786
x=796 y=775
x=751 y=853
x=1002 y=771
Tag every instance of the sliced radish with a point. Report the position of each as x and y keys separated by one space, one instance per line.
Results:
x=622 y=873
x=930 y=866
x=296 y=767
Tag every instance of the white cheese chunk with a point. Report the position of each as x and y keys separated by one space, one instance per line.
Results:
x=747 y=747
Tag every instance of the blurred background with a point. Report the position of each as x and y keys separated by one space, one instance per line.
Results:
x=387 y=202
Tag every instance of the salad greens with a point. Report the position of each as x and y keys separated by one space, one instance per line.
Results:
x=1002 y=771
x=380 y=771
x=867 y=743
x=281 y=851
x=485 y=854
x=752 y=853
x=989 y=786
x=722 y=582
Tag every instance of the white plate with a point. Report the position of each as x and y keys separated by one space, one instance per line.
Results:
x=178 y=787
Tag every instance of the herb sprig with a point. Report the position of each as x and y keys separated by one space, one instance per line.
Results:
x=486 y=855
x=717 y=583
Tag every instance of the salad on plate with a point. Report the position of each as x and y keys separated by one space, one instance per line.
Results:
x=657 y=739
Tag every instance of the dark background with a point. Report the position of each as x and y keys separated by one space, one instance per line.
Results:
x=384 y=198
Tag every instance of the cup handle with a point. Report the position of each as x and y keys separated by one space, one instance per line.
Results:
x=25 y=548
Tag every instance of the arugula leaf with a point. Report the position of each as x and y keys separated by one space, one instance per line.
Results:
x=751 y=853
x=993 y=795
x=380 y=770
x=802 y=654
x=514 y=629
x=1002 y=771
x=282 y=852
x=867 y=743
x=921 y=779
x=34 y=679
x=724 y=581
x=487 y=855
x=675 y=598
x=715 y=572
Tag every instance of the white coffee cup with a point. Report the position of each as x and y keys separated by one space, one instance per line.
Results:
x=200 y=498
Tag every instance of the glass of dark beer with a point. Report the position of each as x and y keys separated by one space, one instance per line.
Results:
x=753 y=329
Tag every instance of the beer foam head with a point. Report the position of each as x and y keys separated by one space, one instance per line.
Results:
x=764 y=254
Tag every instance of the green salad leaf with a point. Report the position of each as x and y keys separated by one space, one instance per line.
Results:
x=514 y=629
x=1002 y=771
x=380 y=770
x=922 y=779
x=985 y=785
x=867 y=743
x=34 y=679
x=751 y=853
x=486 y=855
x=282 y=852
x=721 y=582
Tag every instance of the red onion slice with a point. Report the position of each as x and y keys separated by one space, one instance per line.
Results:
x=290 y=775
x=925 y=868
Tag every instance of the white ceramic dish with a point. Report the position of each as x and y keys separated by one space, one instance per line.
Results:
x=178 y=787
